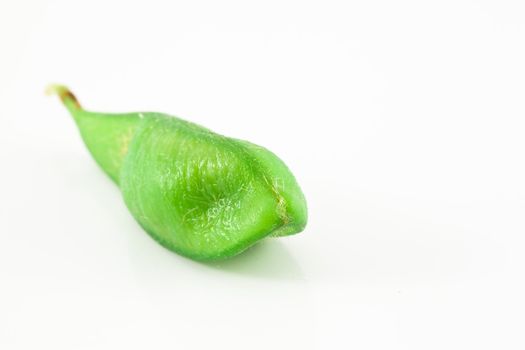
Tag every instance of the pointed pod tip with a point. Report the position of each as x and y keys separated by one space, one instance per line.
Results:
x=55 y=89
x=64 y=93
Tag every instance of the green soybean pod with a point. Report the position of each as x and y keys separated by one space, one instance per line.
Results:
x=200 y=194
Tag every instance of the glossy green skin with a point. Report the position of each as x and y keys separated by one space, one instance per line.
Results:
x=200 y=194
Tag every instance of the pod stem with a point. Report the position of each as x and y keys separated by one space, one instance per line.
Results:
x=66 y=96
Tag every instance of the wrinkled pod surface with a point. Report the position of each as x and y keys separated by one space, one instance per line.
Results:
x=197 y=193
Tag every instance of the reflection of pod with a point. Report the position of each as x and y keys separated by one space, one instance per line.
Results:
x=200 y=194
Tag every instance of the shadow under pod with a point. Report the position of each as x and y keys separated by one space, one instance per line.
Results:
x=267 y=259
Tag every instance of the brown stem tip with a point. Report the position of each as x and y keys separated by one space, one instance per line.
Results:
x=64 y=93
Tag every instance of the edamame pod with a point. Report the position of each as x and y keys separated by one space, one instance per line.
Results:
x=197 y=193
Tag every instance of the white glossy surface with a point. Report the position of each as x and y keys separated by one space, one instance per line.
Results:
x=403 y=122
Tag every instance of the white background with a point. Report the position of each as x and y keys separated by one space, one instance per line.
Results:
x=403 y=121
